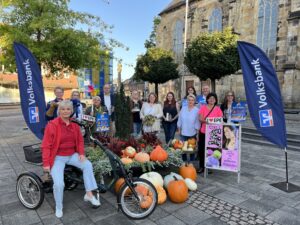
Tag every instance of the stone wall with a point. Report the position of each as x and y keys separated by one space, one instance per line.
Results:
x=242 y=15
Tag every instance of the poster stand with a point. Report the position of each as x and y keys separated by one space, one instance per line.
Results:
x=218 y=156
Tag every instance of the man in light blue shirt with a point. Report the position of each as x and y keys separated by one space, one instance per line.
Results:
x=201 y=99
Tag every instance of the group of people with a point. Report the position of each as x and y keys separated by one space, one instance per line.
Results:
x=187 y=116
x=63 y=143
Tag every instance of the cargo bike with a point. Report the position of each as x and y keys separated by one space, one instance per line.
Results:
x=136 y=198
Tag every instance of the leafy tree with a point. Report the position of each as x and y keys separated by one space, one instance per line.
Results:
x=213 y=55
x=49 y=29
x=151 y=42
x=156 y=66
x=123 y=115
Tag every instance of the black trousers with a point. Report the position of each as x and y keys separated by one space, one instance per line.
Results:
x=201 y=149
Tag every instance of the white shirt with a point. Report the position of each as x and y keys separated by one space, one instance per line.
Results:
x=107 y=103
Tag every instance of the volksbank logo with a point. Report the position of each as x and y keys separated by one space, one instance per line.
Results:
x=34 y=115
x=266 y=118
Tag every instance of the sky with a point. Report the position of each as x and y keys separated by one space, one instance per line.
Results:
x=132 y=21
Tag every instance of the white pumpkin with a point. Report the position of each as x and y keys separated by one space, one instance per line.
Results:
x=154 y=177
x=170 y=177
x=192 y=185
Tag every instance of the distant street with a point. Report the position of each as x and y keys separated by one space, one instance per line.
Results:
x=219 y=200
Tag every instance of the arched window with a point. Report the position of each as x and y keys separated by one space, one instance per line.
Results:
x=178 y=41
x=267 y=26
x=215 y=20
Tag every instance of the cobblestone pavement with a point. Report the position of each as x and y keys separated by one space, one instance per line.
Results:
x=227 y=212
x=219 y=200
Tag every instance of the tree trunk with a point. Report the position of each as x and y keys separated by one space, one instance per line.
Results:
x=156 y=89
x=213 y=85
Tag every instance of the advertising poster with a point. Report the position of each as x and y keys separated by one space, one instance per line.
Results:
x=222 y=147
x=239 y=112
x=102 y=122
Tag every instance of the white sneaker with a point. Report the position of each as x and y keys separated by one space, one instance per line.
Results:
x=58 y=213
x=95 y=202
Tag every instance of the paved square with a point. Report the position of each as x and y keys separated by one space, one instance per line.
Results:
x=219 y=200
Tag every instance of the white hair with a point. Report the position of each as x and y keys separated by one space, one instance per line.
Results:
x=96 y=98
x=191 y=96
x=65 y=104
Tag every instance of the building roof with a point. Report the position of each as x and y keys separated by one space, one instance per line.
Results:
x=173 y=5
x=68 y=83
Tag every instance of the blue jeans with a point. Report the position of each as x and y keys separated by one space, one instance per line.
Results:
x=57 y=173
x=170 y=129
x=137 y=128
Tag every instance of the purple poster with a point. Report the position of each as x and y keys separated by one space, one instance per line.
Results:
x=222 y=146
x=230 y=159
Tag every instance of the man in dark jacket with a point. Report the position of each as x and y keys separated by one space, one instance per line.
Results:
x=108 y=100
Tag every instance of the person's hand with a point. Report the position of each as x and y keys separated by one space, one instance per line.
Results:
x=53 y=104
x=178 y=130
x=46 y=169
x=81 y=158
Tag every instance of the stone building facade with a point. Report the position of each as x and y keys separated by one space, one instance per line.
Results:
x=273 y=25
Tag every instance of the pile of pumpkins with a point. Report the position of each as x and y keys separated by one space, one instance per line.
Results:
x=189 y=145
x=175 y=186
x=129 y=155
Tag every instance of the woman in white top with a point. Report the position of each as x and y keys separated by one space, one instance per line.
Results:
x=151 y=108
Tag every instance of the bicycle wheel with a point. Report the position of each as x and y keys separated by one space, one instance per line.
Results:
x=30 y=190
x=141 y=207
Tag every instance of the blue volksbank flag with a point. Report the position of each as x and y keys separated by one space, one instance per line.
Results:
x=263 y=93
x=31 y=90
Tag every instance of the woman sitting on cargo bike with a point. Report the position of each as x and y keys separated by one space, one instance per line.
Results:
x=63 y=144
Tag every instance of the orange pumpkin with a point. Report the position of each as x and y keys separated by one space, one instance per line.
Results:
x=123 y=154
x=141 y=190
x=146 y=202
x=178 y=144
x=188 y=171
x=178 y=191
x=119 y=184
x=192 y=141
x=130 y=151
x=158 y=154
x=142 y=157
x=126 y=161
x=161 y=194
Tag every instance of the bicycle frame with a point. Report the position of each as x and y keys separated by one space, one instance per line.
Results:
x=115 y=163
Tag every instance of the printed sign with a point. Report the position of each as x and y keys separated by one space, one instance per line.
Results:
x=239 y=112
x=214 y=137
x=88 y=118
x=263 y=93
x=102 y=122
x=222 y=146
x=31 y=90
x=217 y=120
